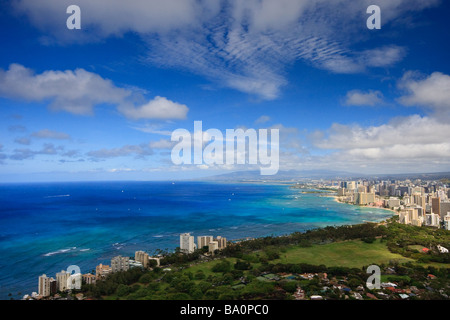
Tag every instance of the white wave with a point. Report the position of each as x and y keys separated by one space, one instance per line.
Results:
x=59 y=252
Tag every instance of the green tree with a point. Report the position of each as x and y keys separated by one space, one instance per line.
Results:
x=222 y=266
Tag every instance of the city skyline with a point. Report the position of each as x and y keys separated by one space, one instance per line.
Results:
x=100 y=103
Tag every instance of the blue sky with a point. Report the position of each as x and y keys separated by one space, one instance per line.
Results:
x=100 y=103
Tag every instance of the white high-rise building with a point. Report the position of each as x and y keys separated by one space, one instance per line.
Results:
x=44 y=286
x=432 y=220
x=187 y=244
x=61 y=280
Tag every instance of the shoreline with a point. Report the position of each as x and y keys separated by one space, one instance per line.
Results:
x=337 y=199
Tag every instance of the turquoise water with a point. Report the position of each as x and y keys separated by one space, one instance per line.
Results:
x=44 y=228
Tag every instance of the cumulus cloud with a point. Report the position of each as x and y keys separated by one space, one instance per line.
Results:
x=405 y=130
x=115 y=17
x=431 y=92
x=158 y=108
x=413 y=143
x=78 y=92
x=49 y=134
x=360 y=98
x=242 y=44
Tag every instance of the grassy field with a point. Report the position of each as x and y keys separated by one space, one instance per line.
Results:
x=352 y=254
x=207 y=266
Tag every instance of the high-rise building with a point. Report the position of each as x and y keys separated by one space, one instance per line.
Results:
x=141 y=257
x=61 y=280
x=120 y=263
x=44 y=286
x=89 y=278
x=221 y=241
x=203 y=241
x=362 y=189
x=432 y=220
x=444 y=208
x=213 y=246
x=436 y=205
x=341 y=192
x=53 y=286
x=187 y=244
x=351 y=185
x=101 y=271
x=420 y=200
x=363 y=198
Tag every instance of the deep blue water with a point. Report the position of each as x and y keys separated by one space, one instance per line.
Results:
x=44 y=228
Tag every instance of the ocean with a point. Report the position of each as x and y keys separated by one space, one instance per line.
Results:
x=45 y=227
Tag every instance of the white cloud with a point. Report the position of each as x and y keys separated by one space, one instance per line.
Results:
x=78 y=92
x=383 y=57
x=406 y=144
x=408 y=130
x=359 y=98
x=158 y=108
x=115 y=17
x=241 y=44
x=432 y=92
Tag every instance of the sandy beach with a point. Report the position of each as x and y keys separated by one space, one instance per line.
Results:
x=337 y=199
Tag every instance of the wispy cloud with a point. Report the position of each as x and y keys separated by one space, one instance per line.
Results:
x=262 y=119
x=247 y=45
x=23 y=140
x=25 y=153
x=50 y=134
x=140 y=151
x=17 y=128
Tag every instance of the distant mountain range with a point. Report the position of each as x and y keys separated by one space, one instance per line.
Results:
x=295 y=175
